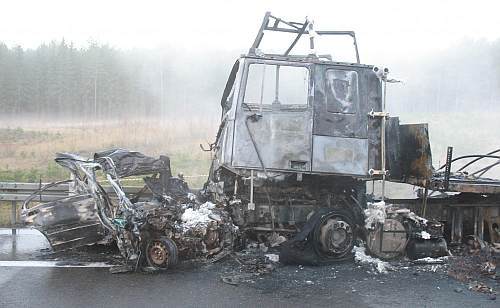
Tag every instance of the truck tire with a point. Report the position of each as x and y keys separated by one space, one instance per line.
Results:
x=333 y=236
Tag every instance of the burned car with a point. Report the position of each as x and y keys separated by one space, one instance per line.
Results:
x=153 y=229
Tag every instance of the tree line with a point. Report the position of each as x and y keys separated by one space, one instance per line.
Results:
x=98 y=81
x=58 y=79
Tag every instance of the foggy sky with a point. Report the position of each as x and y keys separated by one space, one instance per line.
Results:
x=386 y=29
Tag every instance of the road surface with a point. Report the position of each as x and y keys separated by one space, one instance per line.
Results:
x=32 y=282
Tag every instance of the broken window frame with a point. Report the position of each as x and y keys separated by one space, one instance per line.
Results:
x=229 y=89
x=275 y=106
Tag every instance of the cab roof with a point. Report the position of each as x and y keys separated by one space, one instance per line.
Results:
x=275 y=24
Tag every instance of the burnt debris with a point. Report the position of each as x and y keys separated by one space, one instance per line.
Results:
x=159 y=225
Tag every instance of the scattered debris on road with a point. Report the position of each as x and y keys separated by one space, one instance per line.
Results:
x=361 y=257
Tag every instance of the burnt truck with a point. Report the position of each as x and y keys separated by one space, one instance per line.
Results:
x=300 y=137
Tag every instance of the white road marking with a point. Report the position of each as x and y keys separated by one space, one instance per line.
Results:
x=52 y=264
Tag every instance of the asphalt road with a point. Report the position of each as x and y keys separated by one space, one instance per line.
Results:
x=342 y=285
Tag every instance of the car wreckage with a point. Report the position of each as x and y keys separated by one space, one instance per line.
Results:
x=300 y=137
x=155 y=231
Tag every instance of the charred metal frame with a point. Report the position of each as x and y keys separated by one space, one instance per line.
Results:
x=272 y=23
x=463 y=181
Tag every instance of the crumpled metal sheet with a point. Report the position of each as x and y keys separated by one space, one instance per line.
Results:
x=67 y=223
x=416 y=158
x=408 y=158
x=130 y=163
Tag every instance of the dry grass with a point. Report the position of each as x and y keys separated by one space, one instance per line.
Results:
x=5 y=212
x=27 y=147
x=30 y=148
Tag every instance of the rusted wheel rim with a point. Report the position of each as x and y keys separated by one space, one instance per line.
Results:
x=158 y=253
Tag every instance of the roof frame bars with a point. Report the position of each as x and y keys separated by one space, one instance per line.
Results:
x=273 y=23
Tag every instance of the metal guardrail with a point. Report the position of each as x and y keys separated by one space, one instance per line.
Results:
x=21 y=191
x=12 y=192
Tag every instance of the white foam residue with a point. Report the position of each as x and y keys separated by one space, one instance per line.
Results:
x=425 y=235
x=199 y=217
x=417 y=218
x=191 y=197
x=375 y=214
x=361 y=257
x=429 y=260
x=273 y=257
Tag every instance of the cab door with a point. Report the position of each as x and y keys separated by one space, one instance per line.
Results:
x=273 y=124
x=342 y=102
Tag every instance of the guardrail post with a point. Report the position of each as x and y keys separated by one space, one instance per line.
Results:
x=13 y=217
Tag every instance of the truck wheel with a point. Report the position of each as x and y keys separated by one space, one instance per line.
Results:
x=333 y=236
x=161 y=253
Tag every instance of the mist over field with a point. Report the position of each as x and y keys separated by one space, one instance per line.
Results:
x=59 y=80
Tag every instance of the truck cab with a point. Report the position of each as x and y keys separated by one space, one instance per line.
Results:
x=301 y=115
x=299 y=137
